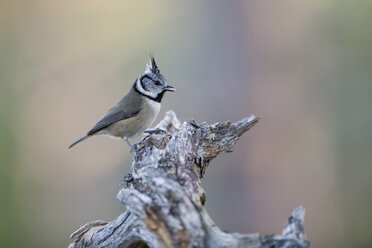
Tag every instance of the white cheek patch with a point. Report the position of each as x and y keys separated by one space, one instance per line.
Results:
x=143 y=91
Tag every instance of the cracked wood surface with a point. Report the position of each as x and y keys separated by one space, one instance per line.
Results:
x=165 y=199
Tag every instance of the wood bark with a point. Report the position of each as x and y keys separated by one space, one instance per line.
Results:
x=165 y=199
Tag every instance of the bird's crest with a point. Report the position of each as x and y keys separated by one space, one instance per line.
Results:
x=152 y=66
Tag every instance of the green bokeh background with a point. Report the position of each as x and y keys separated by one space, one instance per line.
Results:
x=304 y=67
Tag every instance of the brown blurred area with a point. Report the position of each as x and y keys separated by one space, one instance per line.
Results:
x=304 y=67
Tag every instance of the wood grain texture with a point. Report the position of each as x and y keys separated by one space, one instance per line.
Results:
x=165 y=199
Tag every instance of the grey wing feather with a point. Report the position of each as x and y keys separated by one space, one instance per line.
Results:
x=111 y=118
x=127 y=107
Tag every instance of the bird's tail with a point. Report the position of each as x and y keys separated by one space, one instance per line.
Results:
x=78 y=141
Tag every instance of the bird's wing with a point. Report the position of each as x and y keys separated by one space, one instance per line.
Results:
x=130 y=105
x=112 y=117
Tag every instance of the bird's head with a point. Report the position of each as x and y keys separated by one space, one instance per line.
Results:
x=152 y=83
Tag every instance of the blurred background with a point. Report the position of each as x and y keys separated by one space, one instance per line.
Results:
x=304 y=67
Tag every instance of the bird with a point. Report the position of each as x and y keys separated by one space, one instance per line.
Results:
x=136 y=111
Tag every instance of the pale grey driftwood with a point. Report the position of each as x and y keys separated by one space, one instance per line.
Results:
x=165 y=200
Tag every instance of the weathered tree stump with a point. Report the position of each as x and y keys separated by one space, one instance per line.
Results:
x=165 y=199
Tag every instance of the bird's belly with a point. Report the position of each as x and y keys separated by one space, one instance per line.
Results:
x=135 y=126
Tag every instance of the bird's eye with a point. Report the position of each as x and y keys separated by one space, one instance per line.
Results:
x=157 y=83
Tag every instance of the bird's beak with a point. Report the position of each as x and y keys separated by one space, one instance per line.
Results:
x=170 y=88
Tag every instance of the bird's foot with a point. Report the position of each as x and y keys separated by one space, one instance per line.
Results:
x=136 y=155
x=156 y=131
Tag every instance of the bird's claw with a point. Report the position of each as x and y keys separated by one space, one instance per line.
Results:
x=136 y=155
x=156 y=131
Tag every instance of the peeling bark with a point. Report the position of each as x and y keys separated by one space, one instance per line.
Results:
x=165 y=199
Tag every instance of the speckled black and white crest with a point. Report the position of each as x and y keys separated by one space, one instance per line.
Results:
x=154 y=68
